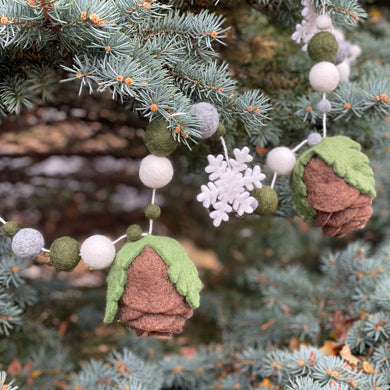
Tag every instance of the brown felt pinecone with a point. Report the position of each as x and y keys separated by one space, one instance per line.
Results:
x=150 y=303
x=340 y=207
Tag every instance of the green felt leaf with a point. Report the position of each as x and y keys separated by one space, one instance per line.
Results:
x=182 y=272
x=347 y=161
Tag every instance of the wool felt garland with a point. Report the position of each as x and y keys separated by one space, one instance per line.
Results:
x=10 y=228
x=324 y=77
x=344 y=69
x=153 y=310
x=155 y=172
x=314 y=139
x=27 y=243
x=267 y=200
x=281 y=160
x=97 y=251
x=64 y=253
x=322 y=47
x=221 y=130
x=208 y=116
x=324 y=22
x=134 y=233
x=342 y=52
x=158 y=139
x=332 y=186
x=152 y=211
x=324 y=106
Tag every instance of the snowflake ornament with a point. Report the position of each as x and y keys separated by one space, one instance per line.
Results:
x=307 y=28
x=229 y=183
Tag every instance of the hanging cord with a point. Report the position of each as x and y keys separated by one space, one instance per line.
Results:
x=119 y=239
x=274 y=180
x=324 y=119
x=225 y=151
x=152 y=202
x=303 y=143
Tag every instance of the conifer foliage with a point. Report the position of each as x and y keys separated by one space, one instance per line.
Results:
x=146 y=54
x=15 y=294
x=291 y=309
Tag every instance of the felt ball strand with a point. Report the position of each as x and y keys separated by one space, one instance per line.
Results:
x=98 y=251
x=332 y=186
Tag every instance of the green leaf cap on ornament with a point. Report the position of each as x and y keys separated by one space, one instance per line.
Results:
x=347 y=161
x=182 y=271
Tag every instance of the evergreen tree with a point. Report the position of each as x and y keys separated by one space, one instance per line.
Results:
x=291 y=309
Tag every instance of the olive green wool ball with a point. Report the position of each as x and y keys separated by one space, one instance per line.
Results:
x=133 y=233
x=10 y=228
x=159 y=140
x=152 y=211
x=221 y=130
x=267 y=199
x=322 y=47
x=64 y=253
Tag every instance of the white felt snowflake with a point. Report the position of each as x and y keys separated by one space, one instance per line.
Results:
x=307 y=28
x=228 y=185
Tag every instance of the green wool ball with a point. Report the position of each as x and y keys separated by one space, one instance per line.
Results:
x=159 y=140
x=11 y=228
x=133 y=233
x=221 y=130
x=152 y=211
x=64 y=253
x=267 y=200
x=322 y=47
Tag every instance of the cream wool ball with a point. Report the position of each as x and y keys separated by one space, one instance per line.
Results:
x=324 y=22
x=281 y=160
x=340 y=36
x=324 y=77
x=344 y=70
x=355 y=51
x=155 y=172
x=97 y=251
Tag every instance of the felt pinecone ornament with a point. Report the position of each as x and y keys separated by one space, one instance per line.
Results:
x=152 y=286
x=333 y=186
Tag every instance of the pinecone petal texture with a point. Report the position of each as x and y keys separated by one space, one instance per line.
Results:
x=340 y=207
x=150 y=303
x=333 y=186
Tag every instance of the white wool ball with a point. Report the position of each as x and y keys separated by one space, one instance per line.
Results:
x=208 y=116
x=97 y=251
x=324 y=22
x=324 y=77
x=155 y=172
x=344 y=70
x=355 y=51
x=27 y=243
x=281 y=160
x=314 y=139
x=339 y=35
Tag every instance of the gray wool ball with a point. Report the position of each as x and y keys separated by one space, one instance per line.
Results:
x=209 y=117
x=324 y=106
x=27 y=243
x=342 y=52
x=314 y=139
